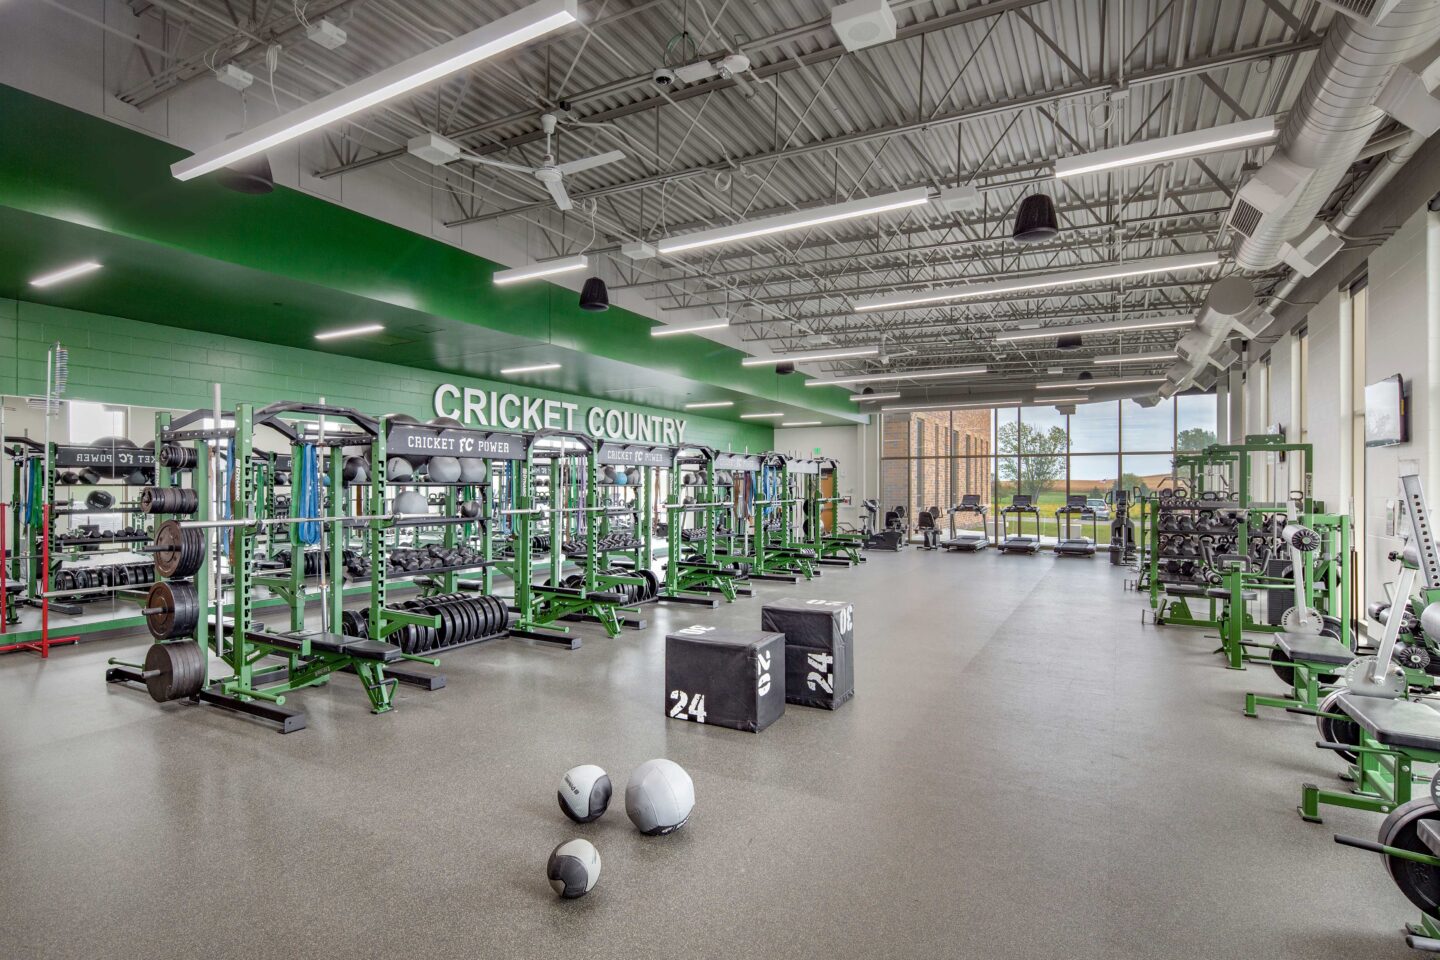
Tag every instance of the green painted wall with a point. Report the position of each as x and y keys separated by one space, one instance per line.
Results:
x=115 y=360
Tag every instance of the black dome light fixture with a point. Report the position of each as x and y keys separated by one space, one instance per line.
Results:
x=1069 y=341
x=593 y=296
x=1036 y=221
x=251 y=176
x=1086 y=375
x=785 y=367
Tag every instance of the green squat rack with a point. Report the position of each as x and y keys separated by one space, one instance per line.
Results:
x=699 y=559
x=187 y=611
x=831 y=546
x=554 y=492
x=628 y=478
x=1369 y=720
x=778 y=552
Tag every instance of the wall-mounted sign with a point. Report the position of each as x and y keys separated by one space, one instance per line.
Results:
x=126 y=458
x=415 y=438
x=617 y=454
x=737 y=461
x=513 y=411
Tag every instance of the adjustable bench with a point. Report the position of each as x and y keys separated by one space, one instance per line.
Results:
x=599 y=596
x=1394 y=735
x=1303 y=661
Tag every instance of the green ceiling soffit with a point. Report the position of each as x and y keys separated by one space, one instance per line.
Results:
x=439 y=305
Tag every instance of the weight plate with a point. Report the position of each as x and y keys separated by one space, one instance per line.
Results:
x=176 y=670
x=1312 y=623
x=1419 y=882
x=1343 y=730
x=1279 y=660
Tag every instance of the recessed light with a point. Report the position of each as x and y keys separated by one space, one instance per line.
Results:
x=68 y=273
x=350 y=331
x=802 y=423
x=811 y=357
x=710 y=405
x=761 y=416
x=912 y=375
x=533 y=368
x=862 y=397
x=1123 y=382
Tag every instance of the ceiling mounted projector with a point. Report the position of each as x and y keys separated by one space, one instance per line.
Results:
x=863 y=23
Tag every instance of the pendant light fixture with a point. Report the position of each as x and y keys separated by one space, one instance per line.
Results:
x=594 y=296
x=1036 y=222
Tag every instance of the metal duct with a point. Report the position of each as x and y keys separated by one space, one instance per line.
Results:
x=1335 y=114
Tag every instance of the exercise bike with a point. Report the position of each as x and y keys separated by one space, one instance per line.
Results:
x=929 y=532
x=890 y=538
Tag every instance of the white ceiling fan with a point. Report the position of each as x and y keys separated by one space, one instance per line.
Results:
x=436 y=149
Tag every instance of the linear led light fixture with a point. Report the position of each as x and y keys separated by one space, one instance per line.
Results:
x=1114 y=271
x=545 y=268
x=802 y=423
x=1136 y=358
x=350 y=331
x=913 y=375
x=68 y=273
x=1230 y=136
x=761 y=416
x=1079 y=329
x=710 y=405
x=1072 y=384
x=800 y=219
x=494 y=38
x=678 y=328
x=845 y=354
x=1067 y=399
x=532 y=368
x=893 y=408
x=863 y=397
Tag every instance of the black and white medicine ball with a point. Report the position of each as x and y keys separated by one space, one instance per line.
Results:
x=659 y=797
x=573 y=868
x=584 y=793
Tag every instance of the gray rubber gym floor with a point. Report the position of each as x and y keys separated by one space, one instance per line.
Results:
x=1025 y=771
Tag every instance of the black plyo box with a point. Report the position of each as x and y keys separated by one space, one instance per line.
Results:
x=725 y=678
x=819 y=649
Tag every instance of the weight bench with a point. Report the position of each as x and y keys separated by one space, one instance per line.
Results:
x=334 y=644
x=11 y=588
x=1303 y=661
x=1394 y=735
x=599 y=596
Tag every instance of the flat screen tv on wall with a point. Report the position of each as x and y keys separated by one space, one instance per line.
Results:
x=1386 y=413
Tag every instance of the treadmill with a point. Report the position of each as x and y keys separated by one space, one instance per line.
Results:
x=1021 y=505
x=969 y=541
x=1077 y=505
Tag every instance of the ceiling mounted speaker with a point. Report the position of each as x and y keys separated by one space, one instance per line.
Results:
x=1071 y=341
x=1036 y=221
x=594 y=296
x=785 y=367
x=251 y=175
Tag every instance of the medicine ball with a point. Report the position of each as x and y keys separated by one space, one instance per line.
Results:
x=89 y=476
x=573 y=868
x=659 y=797
x=473 y=470
x=470 y=509
x=69 y=477
x=444 y=469
x=584 y=793
x=357 y=470
x=99 y=500
x=412 y=502
x=621 y=477
x=398 y=468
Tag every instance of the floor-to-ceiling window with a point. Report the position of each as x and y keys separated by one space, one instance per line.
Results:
x=932 y=458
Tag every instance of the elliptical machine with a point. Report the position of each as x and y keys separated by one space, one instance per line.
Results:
x=1122 y=528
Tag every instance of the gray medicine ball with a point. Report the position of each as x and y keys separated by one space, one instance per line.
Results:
x=412 y=502
x=444 y=469
x=584 y=793
x=398 y=468
x=659 y=797
x=573 y=868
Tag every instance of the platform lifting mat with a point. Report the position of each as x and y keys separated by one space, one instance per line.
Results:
x=819 y=649
x=725 y=678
